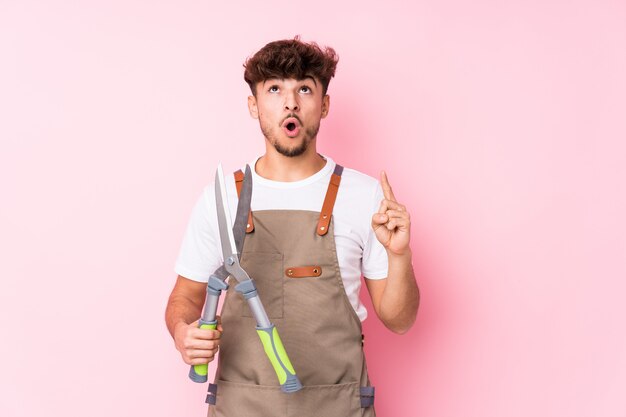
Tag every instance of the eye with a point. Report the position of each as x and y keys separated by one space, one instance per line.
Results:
x=305 y=89
x=273 y=89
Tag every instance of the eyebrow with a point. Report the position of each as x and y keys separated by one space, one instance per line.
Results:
x=306 y=77
x=311 y=78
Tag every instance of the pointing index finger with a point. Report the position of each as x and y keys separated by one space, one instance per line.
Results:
x=387 y=191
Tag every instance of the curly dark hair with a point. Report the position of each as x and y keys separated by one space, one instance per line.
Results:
x=291 y=58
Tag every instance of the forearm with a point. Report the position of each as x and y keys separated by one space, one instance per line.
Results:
x=400 y=299
x=181 y=309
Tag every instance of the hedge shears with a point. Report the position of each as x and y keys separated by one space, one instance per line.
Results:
x=232 y=245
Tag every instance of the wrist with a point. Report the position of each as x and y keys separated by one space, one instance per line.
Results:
x=404 y=256
x=178 y=325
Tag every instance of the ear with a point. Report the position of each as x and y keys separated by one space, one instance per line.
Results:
x=325 y=105
x=252 y=107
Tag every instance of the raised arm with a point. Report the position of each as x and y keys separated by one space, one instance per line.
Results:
x=395 y=298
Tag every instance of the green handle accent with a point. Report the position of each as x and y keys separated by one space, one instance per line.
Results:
x=198 y=373
x=277 y=355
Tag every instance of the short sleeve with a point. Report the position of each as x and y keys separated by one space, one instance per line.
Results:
x=199 y=254
x=375 y=262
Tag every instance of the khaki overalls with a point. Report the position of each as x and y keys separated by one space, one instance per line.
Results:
x=291 y=256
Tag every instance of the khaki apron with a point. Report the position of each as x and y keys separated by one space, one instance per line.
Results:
x=291 y=256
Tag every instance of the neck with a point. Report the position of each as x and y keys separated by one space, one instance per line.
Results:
x=277 y=167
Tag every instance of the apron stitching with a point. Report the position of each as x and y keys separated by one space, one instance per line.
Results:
x=340 y=279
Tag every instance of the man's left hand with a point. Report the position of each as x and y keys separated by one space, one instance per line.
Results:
x=392 y=223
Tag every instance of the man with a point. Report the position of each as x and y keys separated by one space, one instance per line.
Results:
x=307 y=247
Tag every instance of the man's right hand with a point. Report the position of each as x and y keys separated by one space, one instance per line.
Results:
x=197 y=346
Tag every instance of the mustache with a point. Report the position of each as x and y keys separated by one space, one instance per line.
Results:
x=291 y=115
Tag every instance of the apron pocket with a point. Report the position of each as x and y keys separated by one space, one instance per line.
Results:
x=266 y=269
x=340 y=400
x=248 y=400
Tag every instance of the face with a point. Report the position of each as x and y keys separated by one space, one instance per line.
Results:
x=289 y=113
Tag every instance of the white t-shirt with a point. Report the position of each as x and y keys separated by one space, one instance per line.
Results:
x=358 y=250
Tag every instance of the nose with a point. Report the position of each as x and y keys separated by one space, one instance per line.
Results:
x=291 y=102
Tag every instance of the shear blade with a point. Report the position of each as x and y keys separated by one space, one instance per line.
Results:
x=224 y=222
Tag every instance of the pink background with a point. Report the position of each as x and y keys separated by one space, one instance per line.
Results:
x=501 y=124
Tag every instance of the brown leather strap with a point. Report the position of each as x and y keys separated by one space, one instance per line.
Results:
x=329 y=201
x=303 y=271
x=239 y=183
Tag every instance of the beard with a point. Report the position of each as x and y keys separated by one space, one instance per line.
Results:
x=272 y=137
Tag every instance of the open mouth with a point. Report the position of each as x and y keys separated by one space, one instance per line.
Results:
x=291 y=127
